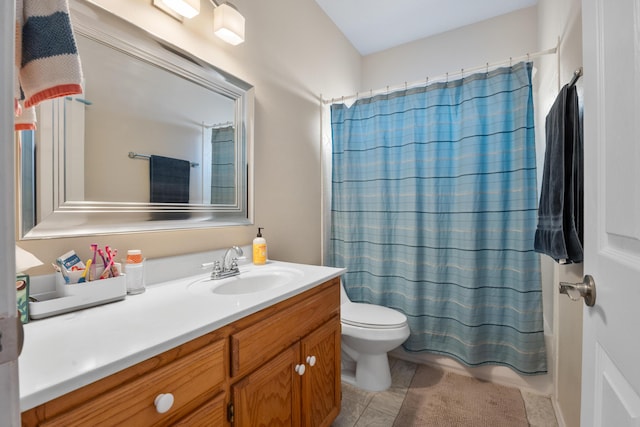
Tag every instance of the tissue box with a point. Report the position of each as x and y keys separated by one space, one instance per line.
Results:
x=22 y=296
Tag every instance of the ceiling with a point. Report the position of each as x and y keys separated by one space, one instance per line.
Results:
x=375 y=25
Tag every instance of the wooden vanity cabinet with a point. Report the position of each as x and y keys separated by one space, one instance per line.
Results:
x=243 y=374
x=282 y=393
x=300 y=383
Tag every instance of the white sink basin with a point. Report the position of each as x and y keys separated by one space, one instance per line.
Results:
x=258 y=279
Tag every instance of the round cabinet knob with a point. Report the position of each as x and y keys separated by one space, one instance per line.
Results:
x=300 y=369
x=311 y=360
x=163 y=402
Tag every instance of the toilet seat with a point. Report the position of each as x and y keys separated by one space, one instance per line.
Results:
x=371 y=316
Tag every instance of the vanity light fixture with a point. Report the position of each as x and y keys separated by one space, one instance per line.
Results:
x=228 y=23
x=179 y=8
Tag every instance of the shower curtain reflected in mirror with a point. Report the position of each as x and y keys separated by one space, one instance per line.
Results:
x=223 y=166
x=434 y=210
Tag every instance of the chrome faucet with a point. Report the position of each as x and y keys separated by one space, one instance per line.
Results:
x=229 y=265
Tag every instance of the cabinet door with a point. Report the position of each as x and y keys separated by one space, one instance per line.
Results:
x=271 y=394
x=321 y=381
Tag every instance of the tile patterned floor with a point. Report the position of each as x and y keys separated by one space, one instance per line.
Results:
x=367 y=409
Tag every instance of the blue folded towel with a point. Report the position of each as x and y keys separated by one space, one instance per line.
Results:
x=560 y=214
x=169 y=180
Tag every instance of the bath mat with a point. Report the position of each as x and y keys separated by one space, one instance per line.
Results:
x=443 y=399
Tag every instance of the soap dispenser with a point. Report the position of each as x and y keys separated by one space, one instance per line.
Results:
x=259 y=248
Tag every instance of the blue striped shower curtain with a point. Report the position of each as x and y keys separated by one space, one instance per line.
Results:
x=433 y=213
x=223 y=166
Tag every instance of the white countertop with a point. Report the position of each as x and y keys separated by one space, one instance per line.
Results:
x=69 y=351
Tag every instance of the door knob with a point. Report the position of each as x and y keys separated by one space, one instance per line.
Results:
x=311 y=360
x=163 y=402
x=586 y=289
x=300 y=369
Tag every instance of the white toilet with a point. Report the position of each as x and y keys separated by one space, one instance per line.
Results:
x=369 y=332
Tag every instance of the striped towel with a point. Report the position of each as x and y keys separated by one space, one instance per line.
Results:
x=47 y=61
x=26 y=120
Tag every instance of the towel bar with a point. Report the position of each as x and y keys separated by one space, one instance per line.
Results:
x=133 y=155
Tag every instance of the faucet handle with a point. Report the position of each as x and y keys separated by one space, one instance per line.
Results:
x=216 y=267
x=215 y=264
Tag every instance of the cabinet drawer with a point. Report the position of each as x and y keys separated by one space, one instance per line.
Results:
x=188 y=378
x=256 y=344
x=212 y=413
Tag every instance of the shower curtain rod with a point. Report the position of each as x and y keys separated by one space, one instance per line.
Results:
x=441 y=77
x=217 y=125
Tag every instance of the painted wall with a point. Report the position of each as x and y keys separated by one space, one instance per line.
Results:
x=292 y=54
x=493 y=40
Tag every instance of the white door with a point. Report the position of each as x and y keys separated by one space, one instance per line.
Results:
x=611 y=337
x=9 y=398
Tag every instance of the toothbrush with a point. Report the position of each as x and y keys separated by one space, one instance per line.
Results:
x=84 y=274
x=107 y=271
x=94 y=248
x=111 y=254
x=114 y=269
x=108 y=266
x=92 y=272
x=104 y=261
x=107 y=249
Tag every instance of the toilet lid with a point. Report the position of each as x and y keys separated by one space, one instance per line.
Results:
x=371 y=316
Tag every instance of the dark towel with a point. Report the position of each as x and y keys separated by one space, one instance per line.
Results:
x=169 y=179
x=560 y=213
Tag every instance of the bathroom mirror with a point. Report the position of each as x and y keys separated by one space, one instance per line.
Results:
x=159 y=140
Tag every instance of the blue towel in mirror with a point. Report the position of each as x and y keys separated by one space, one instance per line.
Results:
x=169 y=180
x=560 y=213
